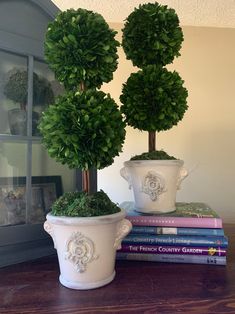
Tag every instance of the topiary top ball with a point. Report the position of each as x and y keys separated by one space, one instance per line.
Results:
x=154 y=99
x=152 y=35
x=83 y=130
x=80 y=47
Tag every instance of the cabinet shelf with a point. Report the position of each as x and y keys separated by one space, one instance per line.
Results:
x=19 y=138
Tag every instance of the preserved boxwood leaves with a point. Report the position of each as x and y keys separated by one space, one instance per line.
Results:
x=80 y=47
x=83 y=129
x=154 y=99
x=152 y=35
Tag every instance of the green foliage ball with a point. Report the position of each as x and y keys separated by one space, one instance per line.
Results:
x=80 y=47
x=154 y=99
x=83 y=130
x=152 y=35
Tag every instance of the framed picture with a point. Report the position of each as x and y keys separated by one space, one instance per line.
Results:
x=45 y=190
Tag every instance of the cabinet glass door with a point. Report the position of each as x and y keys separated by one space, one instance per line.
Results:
x=45 y=89
x=13 y=184
x=49 y=180
x=30 y=181
x=13 y=94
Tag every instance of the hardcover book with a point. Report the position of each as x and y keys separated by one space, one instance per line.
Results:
x=190 y=215
x=185 y=250
x=170 y=258
x=176 y=240
x=177 y=231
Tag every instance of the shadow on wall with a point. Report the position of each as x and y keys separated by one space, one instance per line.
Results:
x=213 y=179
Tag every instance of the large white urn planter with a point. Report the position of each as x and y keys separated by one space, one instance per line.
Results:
x=154 y=183
x=86 y=247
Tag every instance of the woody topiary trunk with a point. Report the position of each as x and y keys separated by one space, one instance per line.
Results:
x=154 y=98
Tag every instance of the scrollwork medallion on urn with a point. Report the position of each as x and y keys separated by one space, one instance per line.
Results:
x=154 y=185
x=80 y=251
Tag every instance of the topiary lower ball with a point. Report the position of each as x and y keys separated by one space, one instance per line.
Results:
x=154 y=99
x=83 y=130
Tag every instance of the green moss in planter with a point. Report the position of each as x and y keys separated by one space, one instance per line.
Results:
x=80 y=204
x=154 y=99
x=152 y=35
x=80 y=47
x=83 y=130
x=155 y=155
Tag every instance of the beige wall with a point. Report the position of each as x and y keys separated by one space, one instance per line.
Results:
x=204 y=139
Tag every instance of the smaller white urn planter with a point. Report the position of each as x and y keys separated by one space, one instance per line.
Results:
x=86 y=247
x=154 y=183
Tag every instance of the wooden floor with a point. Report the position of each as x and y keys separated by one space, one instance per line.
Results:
x=139 y=287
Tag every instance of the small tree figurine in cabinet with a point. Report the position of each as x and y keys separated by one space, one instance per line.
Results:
x=16 y=89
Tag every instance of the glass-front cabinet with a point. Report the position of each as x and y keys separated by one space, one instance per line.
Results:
x=30 y=181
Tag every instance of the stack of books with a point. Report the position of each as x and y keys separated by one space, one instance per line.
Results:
x=193 y=233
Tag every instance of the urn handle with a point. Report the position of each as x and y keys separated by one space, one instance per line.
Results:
x=125 y=174
x=49 y=229
x=123 y=228
x=182 y=175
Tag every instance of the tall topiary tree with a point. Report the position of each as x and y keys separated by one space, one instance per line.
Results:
x=84 y=128
x=153 y=99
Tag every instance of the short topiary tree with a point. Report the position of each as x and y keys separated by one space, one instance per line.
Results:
x=153 y=99
x=16 y=89
x=84 y=128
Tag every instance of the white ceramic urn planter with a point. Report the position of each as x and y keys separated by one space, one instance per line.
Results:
x=154 y=183
x=86 y=247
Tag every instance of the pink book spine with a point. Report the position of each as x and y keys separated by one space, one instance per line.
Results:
x=176 y=222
